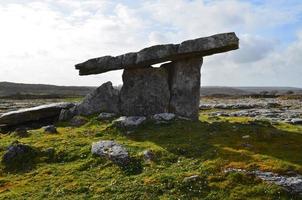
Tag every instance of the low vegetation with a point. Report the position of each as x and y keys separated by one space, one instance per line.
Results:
x=182 y=149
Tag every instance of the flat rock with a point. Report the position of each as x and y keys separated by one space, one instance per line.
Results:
x=145 y=92
x=34 y=114
x=296 y=121
x=104 y=99
x=111 y=150
x=164 y=116
x=105 y=116
x=50 y=129
x=185 y=87
x=129 y=122
x=196 y=48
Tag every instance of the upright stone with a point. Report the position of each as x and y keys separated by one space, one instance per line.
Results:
x=184 y=78
x=145 y=92
x=104 y=99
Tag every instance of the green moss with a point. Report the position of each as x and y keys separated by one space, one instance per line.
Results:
x=182 y=149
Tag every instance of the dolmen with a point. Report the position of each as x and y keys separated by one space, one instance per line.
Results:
x=174 y=87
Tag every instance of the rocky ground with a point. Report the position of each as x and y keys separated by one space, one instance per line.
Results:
x=7 y=105
x=274 y=110
x=220 y=156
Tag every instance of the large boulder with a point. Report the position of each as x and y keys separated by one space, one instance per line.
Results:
x=19 y=157
x=184 y=78
x=196 y=48
x=103 y=99
x=51 y=111
x=111 y=150
x=145 y=92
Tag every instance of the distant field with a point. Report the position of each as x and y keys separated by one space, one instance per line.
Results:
x=37 y=91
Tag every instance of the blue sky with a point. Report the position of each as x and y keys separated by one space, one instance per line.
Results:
x=42 y=40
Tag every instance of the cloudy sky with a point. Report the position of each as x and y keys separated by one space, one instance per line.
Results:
x=40 y=41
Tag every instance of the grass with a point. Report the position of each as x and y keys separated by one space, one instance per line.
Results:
x=182 y=149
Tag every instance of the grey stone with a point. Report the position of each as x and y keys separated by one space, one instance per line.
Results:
x=78 y=121
x=196 y=48
x=296 y=121
x=34 y=114
x=104 y=116
x=148 y=155
x=104 y=99
x=192 y=178
x=19 y=157
x=163 y=117
x=291 y=183
x=111 y=150
x=67 y=114
x=129 y=122
x=185 y=87
x=145 y=92
x=50 y=129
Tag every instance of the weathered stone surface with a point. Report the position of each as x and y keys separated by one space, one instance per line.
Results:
x=104 y=116
x=104 y=99
x=19 y=157
x=185 y=87
x=129 y=122
x=111 y=150
x=78 y=121
x=292 y=183
x=145 y=92
x=50 y=129
x=163 y=117
x=34 y=114
x=161 y=53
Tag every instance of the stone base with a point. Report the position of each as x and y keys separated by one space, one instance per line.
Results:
x=184 y=81
x=145 y=92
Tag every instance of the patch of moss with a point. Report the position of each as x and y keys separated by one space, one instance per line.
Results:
x=182 y=149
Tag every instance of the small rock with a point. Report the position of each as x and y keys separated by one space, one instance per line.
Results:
x=148 y=155
x=246 y=137
x=164 y=116
x=129 y=122
x=105 y=116
x=19 y=157
x=191 y=178
x=112 y=150
x=78 y=121
x=296 y=121
x=50 y=129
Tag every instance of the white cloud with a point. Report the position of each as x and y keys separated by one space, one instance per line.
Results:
x=42 y=40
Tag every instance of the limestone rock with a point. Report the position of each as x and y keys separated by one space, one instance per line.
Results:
x=104 y=99
x=145 y=92
x=105 y=116
x=163 y=117
x=19 y=157
x=34 y=114
x=78 y=121
x=129 y=122
x=111 y=150
x=50 y=129
x=196 y=48
x=185 y=87
x=149 y=155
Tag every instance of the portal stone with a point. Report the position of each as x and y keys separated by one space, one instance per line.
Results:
x=184 y=78
x=145 y=92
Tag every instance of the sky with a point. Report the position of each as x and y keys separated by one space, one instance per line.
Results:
x=41 y=41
